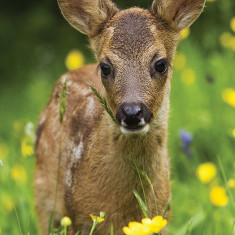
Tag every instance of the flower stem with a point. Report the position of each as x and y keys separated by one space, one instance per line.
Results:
x=65 y=230
x=93 y=227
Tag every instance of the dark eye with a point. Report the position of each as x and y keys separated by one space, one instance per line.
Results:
x=105 y=70
x=161 y=66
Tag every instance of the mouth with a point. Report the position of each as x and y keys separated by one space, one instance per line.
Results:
x=129 y=130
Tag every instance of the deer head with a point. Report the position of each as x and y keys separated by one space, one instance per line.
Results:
x=135 y=49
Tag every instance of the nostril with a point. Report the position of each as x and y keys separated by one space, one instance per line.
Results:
x=133 y=115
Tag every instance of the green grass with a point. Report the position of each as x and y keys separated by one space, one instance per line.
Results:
x=198 y=108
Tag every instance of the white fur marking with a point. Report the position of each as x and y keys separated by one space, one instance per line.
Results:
x=90 y=106
x=76 y=154
x=141 y=130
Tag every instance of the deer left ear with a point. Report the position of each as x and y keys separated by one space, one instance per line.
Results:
x=179 y=14
x=87 y=16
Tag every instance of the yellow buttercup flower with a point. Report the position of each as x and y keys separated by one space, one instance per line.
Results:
x=147 y=226
x=65 y=221
x=4 y=151
x=156 y=224
x=231 y=183
x=184 y=33
x=18 y=174
x=74 y=60
x=179 y=61
x=97 y=219
x=206 y=172
x=228 y=96
x=232 y=24
x=218 y=196
x=135 y=228
x=225 y=39
x=27 y=146
x=188 y=76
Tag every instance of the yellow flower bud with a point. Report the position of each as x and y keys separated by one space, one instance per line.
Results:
x=66 y=221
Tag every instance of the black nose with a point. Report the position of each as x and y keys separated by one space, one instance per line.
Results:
x=133 y=115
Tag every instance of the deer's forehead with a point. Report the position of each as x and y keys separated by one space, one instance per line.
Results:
x=134 y=35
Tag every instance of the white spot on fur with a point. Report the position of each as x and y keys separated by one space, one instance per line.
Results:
x=76 y=154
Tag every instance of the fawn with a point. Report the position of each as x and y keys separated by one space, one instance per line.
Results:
x=135 y=49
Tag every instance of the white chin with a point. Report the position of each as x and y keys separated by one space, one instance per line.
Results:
x=141 y=130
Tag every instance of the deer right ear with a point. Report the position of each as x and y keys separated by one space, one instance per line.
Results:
x=179 y=14
x=87 y=16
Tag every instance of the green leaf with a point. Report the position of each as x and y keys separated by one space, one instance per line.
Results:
x=141 y=203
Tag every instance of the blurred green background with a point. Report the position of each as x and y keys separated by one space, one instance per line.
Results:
x=34 y=42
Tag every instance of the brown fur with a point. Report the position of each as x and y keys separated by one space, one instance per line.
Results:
x=94 y=176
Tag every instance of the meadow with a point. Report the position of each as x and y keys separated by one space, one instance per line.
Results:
x=201 y=125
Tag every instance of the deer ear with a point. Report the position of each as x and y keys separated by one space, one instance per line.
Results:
x=87 y=16
x=179 y=14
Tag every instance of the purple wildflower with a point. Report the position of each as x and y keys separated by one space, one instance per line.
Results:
x=186 y=139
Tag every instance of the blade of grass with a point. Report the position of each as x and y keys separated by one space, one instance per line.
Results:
x=142 y=186
x=141 y=203
x=166 y=208
x=226 y=181
x=103 y=102
x=28 y=229
x=63 y=98
x=145 y=175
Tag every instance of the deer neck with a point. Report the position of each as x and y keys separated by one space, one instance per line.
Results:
x=143 y=150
